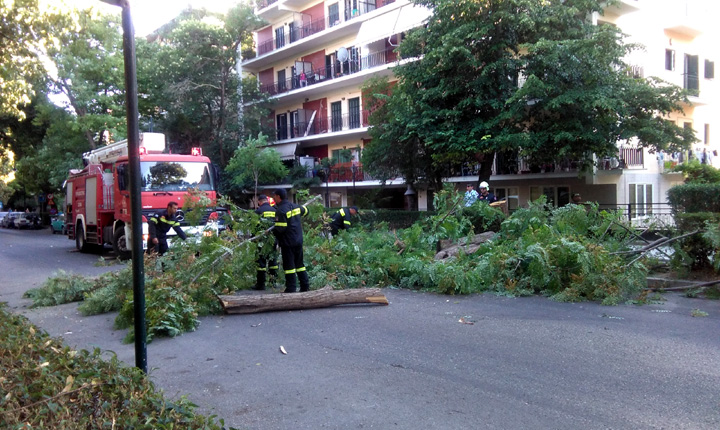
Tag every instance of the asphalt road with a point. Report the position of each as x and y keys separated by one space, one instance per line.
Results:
x=525 y=363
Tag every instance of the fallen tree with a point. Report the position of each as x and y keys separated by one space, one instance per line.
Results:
x=322 y=298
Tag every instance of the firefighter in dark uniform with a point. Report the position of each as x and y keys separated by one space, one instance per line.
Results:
x=340 y=220
x=160 y=223
x=289 y=233
x=267 y=220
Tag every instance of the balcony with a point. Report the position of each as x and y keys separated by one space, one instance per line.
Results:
x=623 y=7
x=324 y=74
x=323 y=125
x=298 y=33
x=688 y=18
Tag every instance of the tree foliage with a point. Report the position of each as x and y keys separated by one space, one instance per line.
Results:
x=463 y=94
x=26 y=31
x=254 y=163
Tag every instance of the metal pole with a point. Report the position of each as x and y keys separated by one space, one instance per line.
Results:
x=131 y=96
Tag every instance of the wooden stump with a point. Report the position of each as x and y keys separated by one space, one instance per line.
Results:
x=322 y=298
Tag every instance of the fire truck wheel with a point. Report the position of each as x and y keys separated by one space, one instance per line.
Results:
x=120 y=245
x=80 y=242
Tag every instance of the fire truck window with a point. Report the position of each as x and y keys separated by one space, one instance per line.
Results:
x=123 y=176
x=177 y=176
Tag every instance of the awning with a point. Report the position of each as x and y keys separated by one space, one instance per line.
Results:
x=393 y=22
x=286 y=150
x=411 y=16
x=378 y=28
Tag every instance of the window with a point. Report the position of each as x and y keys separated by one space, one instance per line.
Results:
x=282 y=84
x=354 y=107
x=282 y=128
x=640 y=197
x=333 y=14
x=706 y=140
x=511 y=194
x=279 y=37
x=709 y=69
x=669 y=59
x=692 y=81
x=336 y=116
x=343 y=156
x=556 y=196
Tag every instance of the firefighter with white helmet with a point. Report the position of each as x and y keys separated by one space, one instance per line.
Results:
x=485 y=194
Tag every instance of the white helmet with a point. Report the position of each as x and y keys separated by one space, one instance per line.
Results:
x=484 y=184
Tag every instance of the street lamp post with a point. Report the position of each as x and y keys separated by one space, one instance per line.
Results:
x=133 y=135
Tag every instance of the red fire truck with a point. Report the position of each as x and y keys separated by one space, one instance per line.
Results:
x=98 y=196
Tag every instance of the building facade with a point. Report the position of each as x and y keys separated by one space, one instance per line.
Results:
x=314 y=56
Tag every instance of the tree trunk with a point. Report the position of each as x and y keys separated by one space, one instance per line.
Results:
x=322 y=298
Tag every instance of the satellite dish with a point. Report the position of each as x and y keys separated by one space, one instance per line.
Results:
x=342 y=54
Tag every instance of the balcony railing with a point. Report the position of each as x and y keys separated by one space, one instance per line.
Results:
x=691 y=82
x=324 y=74
x=314 y=27
x=509 y=163
x=324 y=125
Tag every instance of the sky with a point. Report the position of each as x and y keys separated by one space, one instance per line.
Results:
x=148 y=15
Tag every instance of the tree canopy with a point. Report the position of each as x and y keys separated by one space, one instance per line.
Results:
x=534 y=78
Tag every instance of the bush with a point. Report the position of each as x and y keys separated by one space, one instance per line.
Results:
x=695 y=198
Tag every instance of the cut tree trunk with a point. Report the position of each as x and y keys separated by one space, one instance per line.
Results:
x=322 y=298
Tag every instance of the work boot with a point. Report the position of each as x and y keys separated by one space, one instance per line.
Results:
x=304 y=281
x=260 y=283
x=290 y=284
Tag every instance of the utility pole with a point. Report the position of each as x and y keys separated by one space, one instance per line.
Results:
x=133 y=135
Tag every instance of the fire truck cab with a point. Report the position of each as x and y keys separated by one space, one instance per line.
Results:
x=98 y=196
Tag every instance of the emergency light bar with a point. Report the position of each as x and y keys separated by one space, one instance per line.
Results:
x=196 y=151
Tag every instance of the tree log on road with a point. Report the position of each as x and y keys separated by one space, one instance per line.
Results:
x=322 y=298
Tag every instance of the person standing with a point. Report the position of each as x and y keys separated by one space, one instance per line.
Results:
x=159 y=225
x=471 y=195
x=485 y=194
x=340 y=220
x=289 y=233
x=267 y=219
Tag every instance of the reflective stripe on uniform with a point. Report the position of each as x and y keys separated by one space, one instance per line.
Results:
x=268 y=214
x=347 y=222
x=289 y=272
x=301 y=269
x=292 y=213
x=341 y=212
x=274 y=267
x=171 y=223
x=261 y=269
x=281 y=224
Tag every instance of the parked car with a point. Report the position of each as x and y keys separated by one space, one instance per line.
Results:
x=2 y=216
x=9 y=220
x=57 y=224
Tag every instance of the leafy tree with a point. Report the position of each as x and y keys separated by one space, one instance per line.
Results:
x=386 y=113
x=90 y=74
x=26 y=30
x=194 y=70
x=255 y=163
x=461 y=96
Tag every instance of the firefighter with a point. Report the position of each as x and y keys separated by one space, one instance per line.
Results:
x=160 y=223
x=267 y=219
x=340 y=220
x=289 y=233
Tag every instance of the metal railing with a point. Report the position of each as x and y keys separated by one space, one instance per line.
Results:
x=659 y=215
x=323 y=74
x=316 y=26
x=321 y=125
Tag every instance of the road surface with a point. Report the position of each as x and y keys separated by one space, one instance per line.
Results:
x=523 y=363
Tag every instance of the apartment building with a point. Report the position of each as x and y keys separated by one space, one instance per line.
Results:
x=313 y=57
